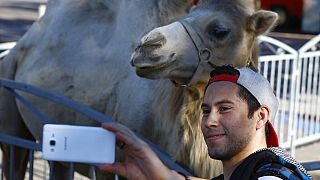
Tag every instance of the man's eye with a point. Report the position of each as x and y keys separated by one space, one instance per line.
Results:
x=223 y=109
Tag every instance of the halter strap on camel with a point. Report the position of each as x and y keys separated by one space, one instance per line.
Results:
x=204 y=54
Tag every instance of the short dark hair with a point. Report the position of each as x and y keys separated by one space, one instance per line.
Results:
x=253 y=104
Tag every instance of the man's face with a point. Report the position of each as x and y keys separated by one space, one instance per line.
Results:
x=225 y=124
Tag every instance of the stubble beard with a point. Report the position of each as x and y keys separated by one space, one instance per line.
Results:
x=233 y=146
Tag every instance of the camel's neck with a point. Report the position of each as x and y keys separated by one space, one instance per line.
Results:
x=176 y=107
x=179 y=118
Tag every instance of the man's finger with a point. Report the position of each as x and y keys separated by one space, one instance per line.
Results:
x=115 y=168
x=123 y=133
x=109 y=126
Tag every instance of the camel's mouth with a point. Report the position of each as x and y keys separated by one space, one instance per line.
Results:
x=154 y=69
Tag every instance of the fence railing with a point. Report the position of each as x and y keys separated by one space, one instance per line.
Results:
x=277 y=64
x=294 y=75
x=5 y=48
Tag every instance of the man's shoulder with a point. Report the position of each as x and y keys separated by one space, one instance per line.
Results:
x=270 y=162
x=278 y=170
x=280 y=164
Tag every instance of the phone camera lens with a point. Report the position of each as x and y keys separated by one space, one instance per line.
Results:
x=52 y=142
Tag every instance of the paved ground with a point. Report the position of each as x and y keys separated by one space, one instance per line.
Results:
x=16 y=16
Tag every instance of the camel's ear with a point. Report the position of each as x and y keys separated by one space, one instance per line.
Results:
x=262 y=21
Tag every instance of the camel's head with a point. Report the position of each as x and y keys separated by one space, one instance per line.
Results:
x=213 y=34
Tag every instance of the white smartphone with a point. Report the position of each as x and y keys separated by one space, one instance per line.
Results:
x=83 y=144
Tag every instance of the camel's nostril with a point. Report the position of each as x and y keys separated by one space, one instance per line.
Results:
x=156 y=40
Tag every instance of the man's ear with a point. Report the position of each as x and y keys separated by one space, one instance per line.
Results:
x=262 y=21
x=263 y=116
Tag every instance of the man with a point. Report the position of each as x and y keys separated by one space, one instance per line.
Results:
x=237 y=108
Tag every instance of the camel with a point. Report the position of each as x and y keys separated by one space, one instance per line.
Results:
x=82 y=50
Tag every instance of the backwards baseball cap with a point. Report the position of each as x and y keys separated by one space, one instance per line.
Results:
x=259 y=87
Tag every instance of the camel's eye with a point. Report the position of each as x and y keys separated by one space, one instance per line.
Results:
x=219 y=32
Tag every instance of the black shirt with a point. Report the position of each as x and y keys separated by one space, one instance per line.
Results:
x=272 y=161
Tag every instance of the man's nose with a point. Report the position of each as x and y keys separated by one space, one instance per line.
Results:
x=211 y=120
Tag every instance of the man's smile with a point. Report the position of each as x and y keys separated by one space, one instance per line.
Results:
x=214 y=136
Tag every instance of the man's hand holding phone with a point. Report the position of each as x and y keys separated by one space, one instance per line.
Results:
x=141 y=163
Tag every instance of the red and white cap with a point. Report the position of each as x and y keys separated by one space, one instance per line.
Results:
x=260 y=88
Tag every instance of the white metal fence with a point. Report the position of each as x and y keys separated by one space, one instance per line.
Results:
x=5 y=48
x=295 y=77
